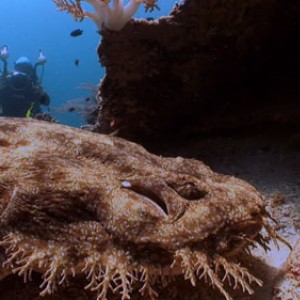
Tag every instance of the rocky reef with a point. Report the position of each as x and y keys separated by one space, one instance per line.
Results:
x=210 y=66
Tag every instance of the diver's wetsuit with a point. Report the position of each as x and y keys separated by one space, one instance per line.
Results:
x=18 y=93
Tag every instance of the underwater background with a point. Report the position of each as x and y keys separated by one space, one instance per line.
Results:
x=27 y=26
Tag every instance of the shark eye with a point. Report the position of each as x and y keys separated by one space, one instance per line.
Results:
x=188 y=190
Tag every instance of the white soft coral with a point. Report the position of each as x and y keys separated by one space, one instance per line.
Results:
x=112 y=17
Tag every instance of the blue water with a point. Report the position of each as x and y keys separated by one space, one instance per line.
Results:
x=29 y=25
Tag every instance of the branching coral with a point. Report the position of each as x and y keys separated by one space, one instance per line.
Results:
x=113 y=17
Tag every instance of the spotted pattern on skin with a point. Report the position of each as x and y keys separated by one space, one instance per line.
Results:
x=76 y=203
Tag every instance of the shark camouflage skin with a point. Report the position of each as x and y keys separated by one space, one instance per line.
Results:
x=76 y=203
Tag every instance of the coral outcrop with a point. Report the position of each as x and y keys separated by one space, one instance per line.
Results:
x=211 y=66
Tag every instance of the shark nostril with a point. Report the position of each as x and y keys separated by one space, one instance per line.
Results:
x=188 y=190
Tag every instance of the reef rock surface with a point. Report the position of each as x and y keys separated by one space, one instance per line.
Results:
x=210 y=66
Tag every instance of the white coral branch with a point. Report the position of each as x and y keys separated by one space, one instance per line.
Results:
x=113 y=17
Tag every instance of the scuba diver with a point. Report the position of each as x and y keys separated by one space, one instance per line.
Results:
x=20 y=91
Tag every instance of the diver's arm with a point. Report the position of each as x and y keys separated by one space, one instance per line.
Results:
x=5 y=69
x=4 y=54
x=35 y=78
x=4 y=74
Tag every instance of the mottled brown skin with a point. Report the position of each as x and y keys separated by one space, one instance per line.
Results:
x=74 y=202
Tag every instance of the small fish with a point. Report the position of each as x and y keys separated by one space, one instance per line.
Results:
x=76 y=32
x=76 y=62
